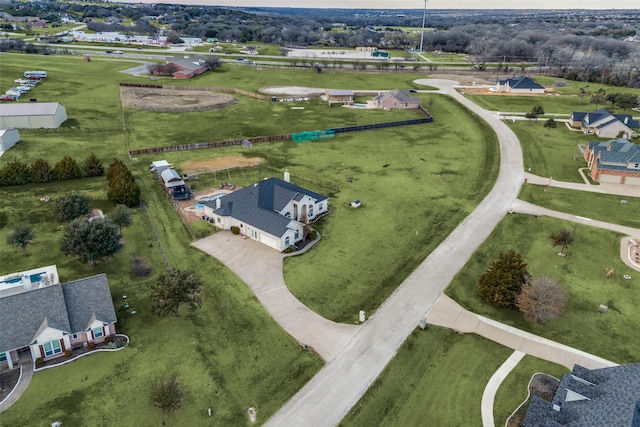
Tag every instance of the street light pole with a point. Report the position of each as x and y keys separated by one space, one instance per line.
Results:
x=424 y=17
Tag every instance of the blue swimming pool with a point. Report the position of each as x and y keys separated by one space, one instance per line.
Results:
x=198 y=205
x=209 y=198
x=359 y=105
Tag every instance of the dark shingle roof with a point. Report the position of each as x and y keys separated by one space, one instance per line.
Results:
x=588 y=119
x=259 y=205
x=522 y=82
x=615 y=154
x=403 y=96
x=612 y=400
x=67 y=307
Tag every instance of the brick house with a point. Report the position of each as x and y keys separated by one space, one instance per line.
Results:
x=182 y=68
x=616 y=161
x=339 y=96
x=397 y=99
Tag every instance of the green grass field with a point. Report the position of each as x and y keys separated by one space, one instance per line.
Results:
x=408 y=208
x=582 y=275
x=513 y=390
x=550 y=152
x=602 y=207
x=436 y=379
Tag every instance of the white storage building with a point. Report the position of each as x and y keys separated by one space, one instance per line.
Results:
x=32 y=115
x=8 y=137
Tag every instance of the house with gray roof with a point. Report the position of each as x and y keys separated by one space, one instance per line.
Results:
x=396 y=99
x=616 y=161
x=520 y=85
x=604 y=124
x=49 y=319
x=273 y=212
x=591 y=398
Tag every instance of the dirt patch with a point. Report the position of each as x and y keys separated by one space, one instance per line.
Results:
x=221 y=163
x=170 y=100
x=190 y=213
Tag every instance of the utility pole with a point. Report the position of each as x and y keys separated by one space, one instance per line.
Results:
x=424 y=17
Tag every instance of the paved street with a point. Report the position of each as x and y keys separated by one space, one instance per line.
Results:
x=327 y=398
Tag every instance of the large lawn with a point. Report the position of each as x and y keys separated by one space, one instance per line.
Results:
x=436 y=379
x=550 y=152
x=416 y=184
x=582 y=275
x=513 y=390
x=603 y=207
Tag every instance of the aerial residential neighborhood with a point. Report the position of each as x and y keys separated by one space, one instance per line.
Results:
x=234 y=215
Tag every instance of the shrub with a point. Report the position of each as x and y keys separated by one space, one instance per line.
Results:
x=15 y=173
x=139 y=267
x=541 y=299
x=93 y=166
x=39 y=362
x=107 y=340
x=501 y=283
x=41 y=171
x=91 y=345
x=313 y=235
x=71 y=207
x=67 y=168
x=67 y=353
x=235 y=230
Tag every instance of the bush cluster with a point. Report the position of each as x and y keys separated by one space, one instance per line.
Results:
x=17 y=172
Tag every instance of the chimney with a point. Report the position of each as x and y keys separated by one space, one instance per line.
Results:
x=218 y=203
x=287 y=176
x=26 y=282
x=626 y=120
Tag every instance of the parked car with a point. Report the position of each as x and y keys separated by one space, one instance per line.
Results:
x=117 y=52
x=8 y=98
x=240 y=59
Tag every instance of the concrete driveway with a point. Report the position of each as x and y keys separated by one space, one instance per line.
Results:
x=260 y=268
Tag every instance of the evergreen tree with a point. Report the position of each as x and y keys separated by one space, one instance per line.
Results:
x=41 y=171
x=15 y=173
x=91 y=240
x=501 y=283
x=67 y=168
x=93 y=166
x=123 y=189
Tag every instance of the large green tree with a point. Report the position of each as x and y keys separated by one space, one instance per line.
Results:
x=71 y=207
x=21 y=237
x=93 y=166
x=67 y=168
x=175 y=288
x=627 y=101
x=121 y=216
x=91 y=241
x=167 y=395
x=501 y=283
x=123 y=189
x=41 y=171
x=15 y=172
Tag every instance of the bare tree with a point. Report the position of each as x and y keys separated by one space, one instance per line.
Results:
x=541 y=299
x=167 y=395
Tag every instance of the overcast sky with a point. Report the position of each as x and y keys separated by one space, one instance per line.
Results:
x=419 y=4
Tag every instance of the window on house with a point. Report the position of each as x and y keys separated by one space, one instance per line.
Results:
x=297 y=234
x=320 y=207
x=219 y=220
x=74 y=336
x=310 y=210
x=287 y=242
x=97 y=333
x=3 y=357
x=51 y=348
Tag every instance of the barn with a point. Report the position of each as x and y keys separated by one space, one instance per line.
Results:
x=32 y=115
x=8 y=137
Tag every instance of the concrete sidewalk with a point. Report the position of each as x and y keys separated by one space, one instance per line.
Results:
x=603 y=188
x=20 y=388
x=449 y=314
x=489 y=394
x=260 y=267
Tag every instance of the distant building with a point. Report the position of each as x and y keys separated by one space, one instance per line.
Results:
x=522 y=84
x=603 y=124
x=182 y=68
x=616 y=161
x=397 y=99
x=32 y=115
x=591 y=397
x=8 y=137
x=339 y=96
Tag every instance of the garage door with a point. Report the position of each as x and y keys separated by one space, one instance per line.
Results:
x=632 y=180
x=612 y=179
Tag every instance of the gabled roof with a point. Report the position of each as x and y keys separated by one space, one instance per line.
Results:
x=521 y=82
x=602 y=118
x=615 y=154
x=402 y=96
x=170 y=175
x=339 y=92
x=67 y=307
x=591 y=398
x=29 y=109
x=190 y=64
x=259 y=205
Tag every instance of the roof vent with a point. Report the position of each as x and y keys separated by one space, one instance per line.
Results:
x=556 y=407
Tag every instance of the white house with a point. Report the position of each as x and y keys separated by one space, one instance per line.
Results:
x=8 y=137
x=521 y=85
x=273 y=212
x=32 y=115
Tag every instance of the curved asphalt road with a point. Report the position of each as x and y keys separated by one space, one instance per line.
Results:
x=327 y=398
